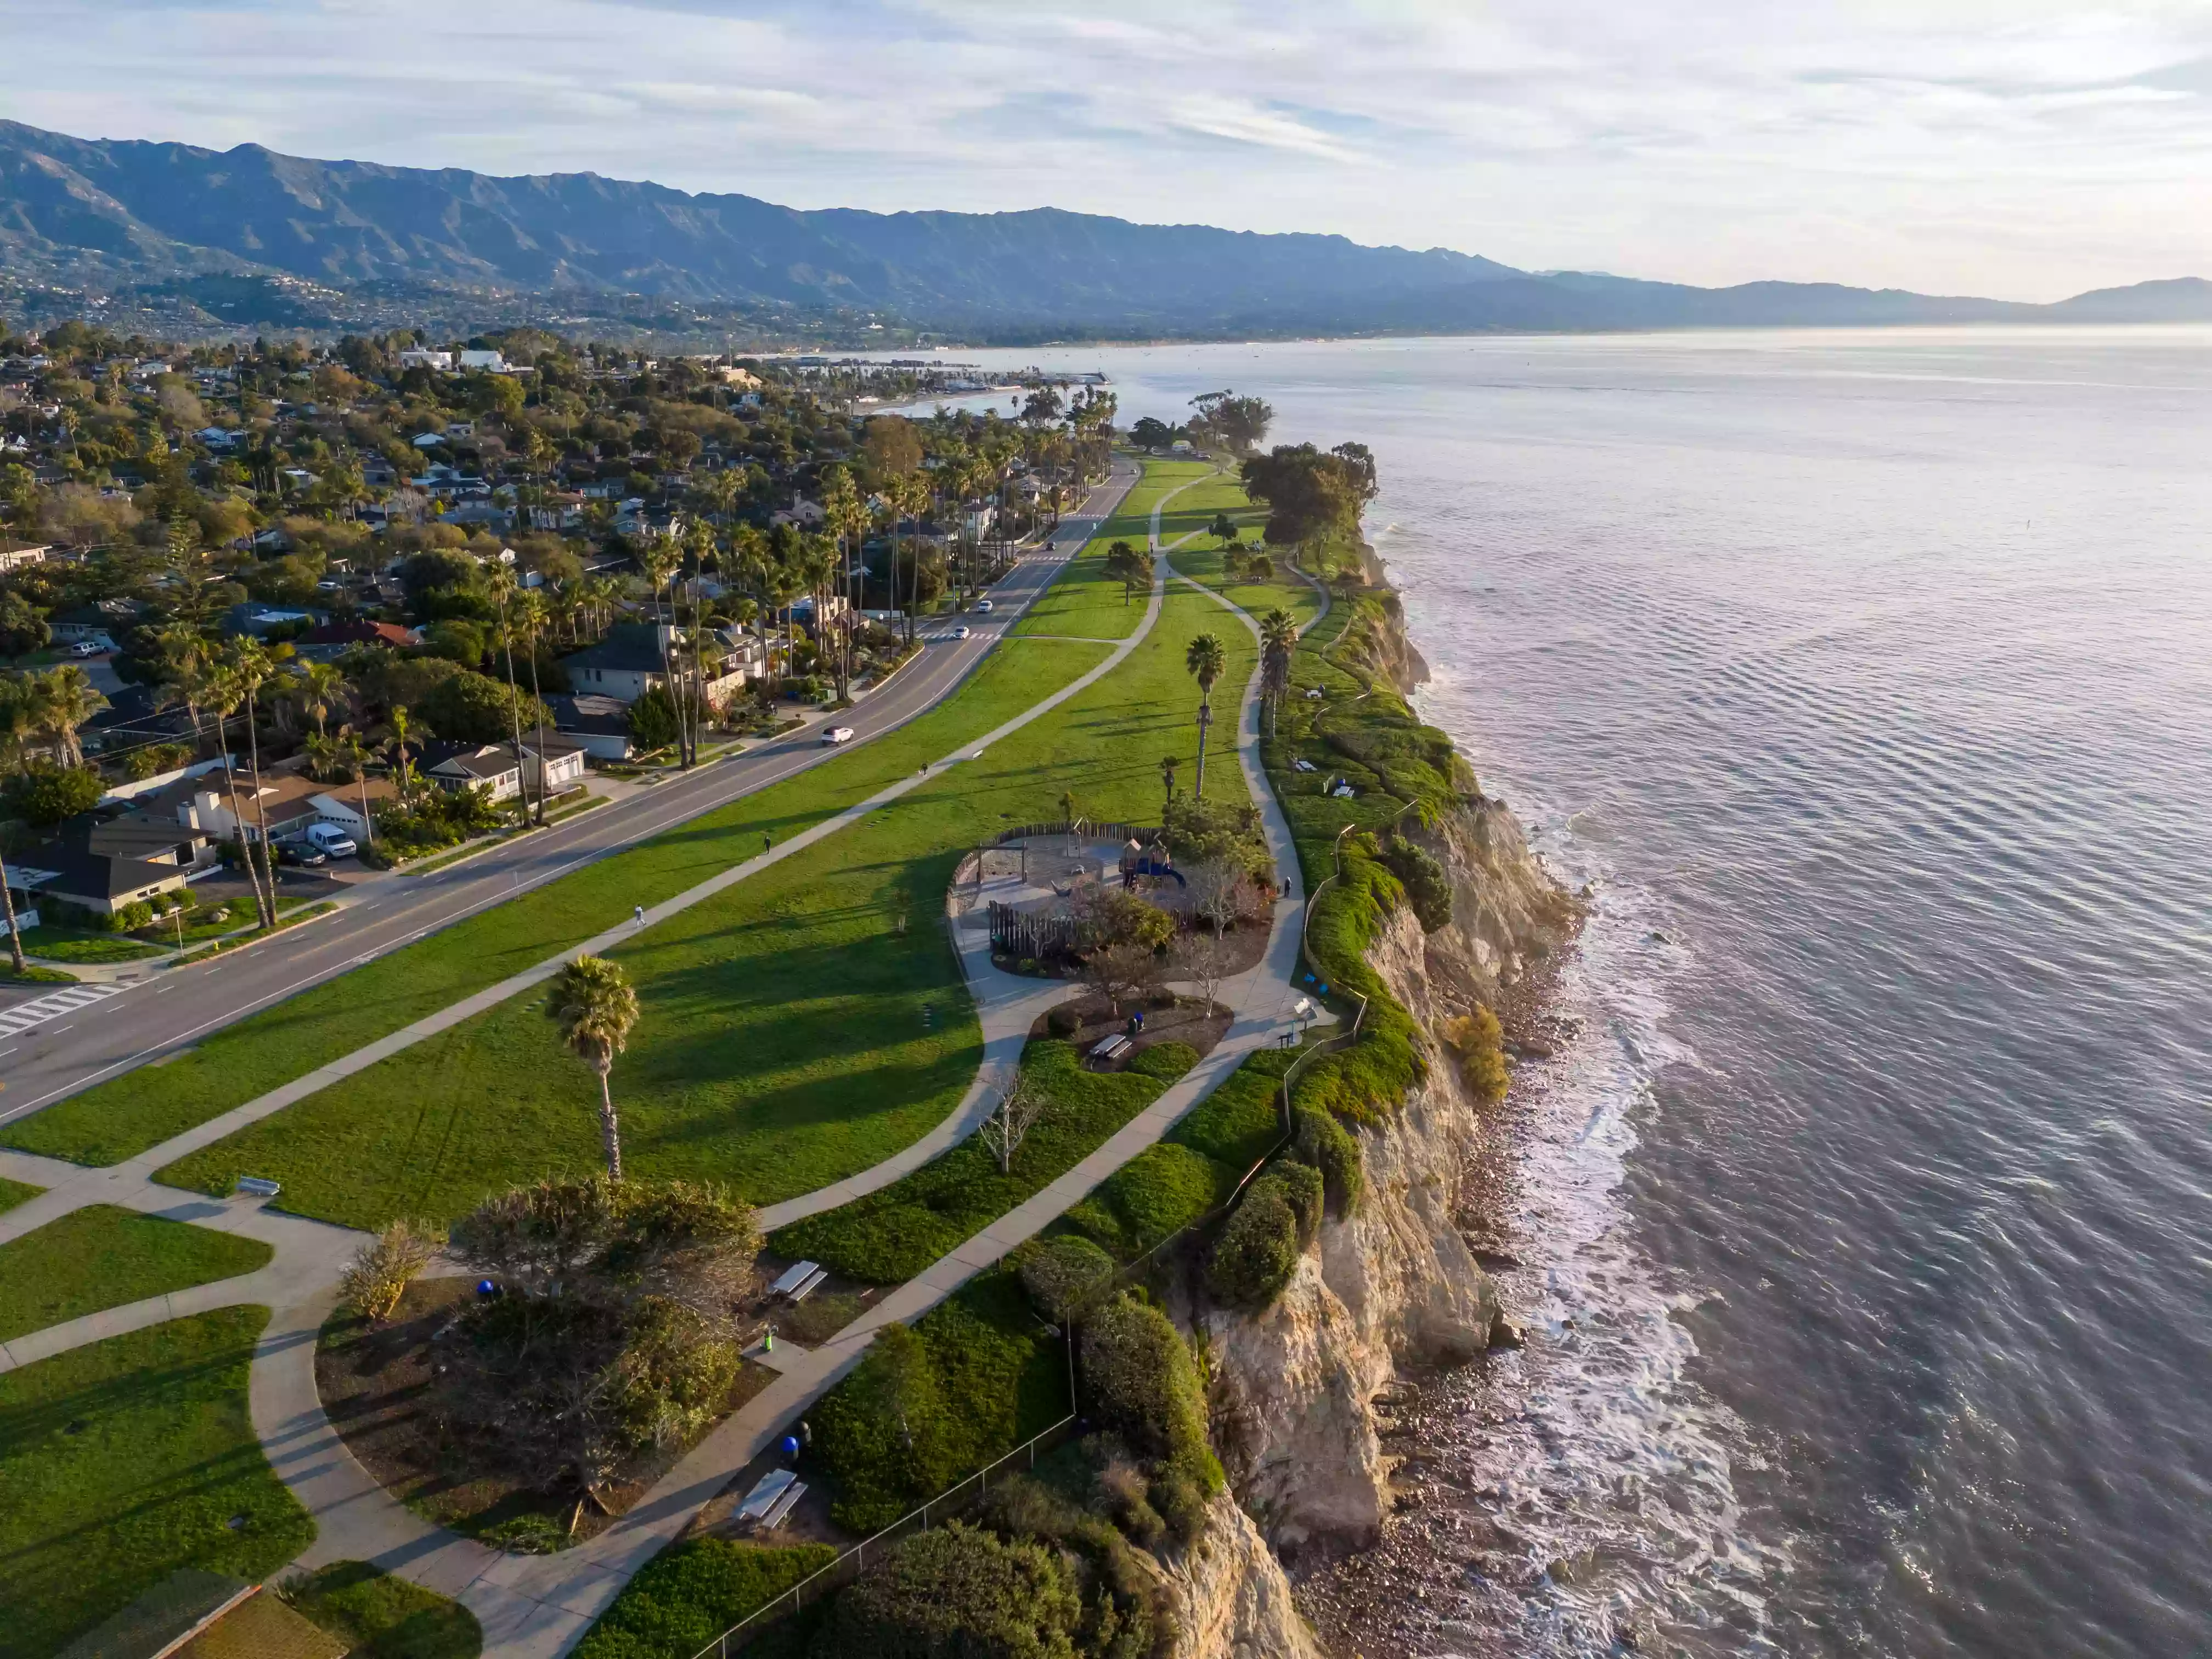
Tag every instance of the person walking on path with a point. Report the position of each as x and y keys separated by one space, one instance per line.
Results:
x=637 y=913
x=767 y=842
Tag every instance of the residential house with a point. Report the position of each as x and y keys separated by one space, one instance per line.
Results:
x=97 y=623
x=348 y=806
x=429 y=441
x=105 y=866
x=598 y=725
x=285 y=806
x=561 y=758
x=627 y=664
x=458 y=430
x=377 y=473
x=14 y=555
x=419 y=359
x=488 y=363
x=356 y=631
x=262 y=620
x=457 y=766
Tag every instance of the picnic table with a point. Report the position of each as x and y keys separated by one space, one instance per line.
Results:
x=771 y=1500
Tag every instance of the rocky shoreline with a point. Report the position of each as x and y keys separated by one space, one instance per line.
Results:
x=1319 y=1400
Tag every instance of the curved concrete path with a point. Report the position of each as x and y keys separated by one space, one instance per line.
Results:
x=526 y=1605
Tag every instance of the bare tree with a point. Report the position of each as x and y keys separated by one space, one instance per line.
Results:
x=1017 y=1113
x=1119 y=972
x=1220 y=893
x=1209 y=957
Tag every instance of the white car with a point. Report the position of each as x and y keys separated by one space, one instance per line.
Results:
x=962 y=632
x=84 y=649
x=982 y=604
x=836 y=735
x=329 y=839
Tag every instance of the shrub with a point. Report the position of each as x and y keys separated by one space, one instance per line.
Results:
x=1063 y=1021
x=1480 y=1042
x=1164 y=1060
x=1163 y=1188
x=652 y=721
x=383 y=1268
x=1258 y=1249
x=687 y=1596
x=1142 y=1383
x=1301 y=1187
x=1321 y=1141
x=958 y=1590
x=997 y=1377
x=1059 y=1273
x=1427 y=886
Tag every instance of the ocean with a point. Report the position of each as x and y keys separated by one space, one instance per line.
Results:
x=1865 y=1223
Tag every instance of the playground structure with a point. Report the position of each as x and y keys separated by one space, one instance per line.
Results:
x=1034 y=878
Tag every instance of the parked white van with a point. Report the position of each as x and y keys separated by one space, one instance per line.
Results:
x=329 y=839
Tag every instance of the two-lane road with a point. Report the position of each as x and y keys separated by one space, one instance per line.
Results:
x=71 y=1051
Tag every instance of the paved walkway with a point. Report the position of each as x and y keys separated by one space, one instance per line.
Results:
x=538 y=1608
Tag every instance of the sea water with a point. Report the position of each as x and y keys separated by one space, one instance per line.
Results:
x=1865 y=1221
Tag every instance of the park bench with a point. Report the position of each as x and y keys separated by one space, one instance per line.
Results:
x=255 y=1186
x=1112 y=1047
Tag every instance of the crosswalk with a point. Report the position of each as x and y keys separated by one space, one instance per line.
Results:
x=24 y=1015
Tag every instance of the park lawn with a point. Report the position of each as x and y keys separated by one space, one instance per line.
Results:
x=125 y=1460
x=70 y=944
x=888 y=1237
x=144 y=1107
x=13 y=1192
x=686 y=1596
x=381 y=1616
x=104 y=1256
x=1083 y=604
x=1196 y=508
x=792 y=1031
x=1201 y=562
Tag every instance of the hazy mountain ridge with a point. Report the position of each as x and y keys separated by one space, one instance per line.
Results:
x=103 y=211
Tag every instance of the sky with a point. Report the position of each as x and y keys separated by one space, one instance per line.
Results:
x=2017 y=149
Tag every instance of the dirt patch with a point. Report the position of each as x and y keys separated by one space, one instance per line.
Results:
x=379 y=1385
x=1186 y=1019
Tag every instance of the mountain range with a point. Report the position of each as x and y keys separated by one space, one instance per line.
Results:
x=248 y=235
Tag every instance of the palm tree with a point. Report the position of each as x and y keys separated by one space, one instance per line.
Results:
x=320 y=685
x=1204 y=658
x=502 y=588
x=218 y=686
x=402 y=775
x=1279 y=636
x=64 y=700
x=531 y=612
x=661 y=561
x=15 y=936
x=594 y=1006
x=250 y=664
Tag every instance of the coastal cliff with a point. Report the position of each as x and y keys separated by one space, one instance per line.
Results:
x=1393 y=1283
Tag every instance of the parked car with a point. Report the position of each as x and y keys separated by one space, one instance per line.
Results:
x=332 y=841
x=836 y=735
x=300 y=852
x=84 y=649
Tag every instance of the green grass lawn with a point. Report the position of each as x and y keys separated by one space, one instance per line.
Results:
x=381 y=1616
x=1084 y=602
x=71 y=944
x=13 y=1192
x=783 y=1042
x=125 y=1460
x=103 y=1256
x=142 y=1107
x=689 y=1594
x=891 y=1235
